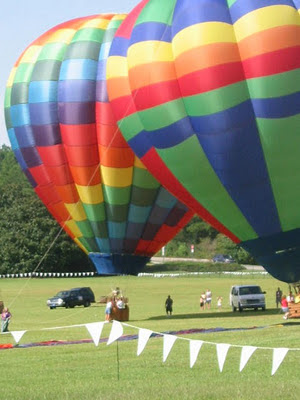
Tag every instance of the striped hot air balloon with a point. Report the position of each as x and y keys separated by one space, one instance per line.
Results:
x=65 y=137
x=206 y=93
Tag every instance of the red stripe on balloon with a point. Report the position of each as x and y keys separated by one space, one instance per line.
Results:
x=126 y=27
x=272 y=63
x=152 y=159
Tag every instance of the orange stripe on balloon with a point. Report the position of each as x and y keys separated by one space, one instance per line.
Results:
x=205 y=57
x=118 y=87
x=68 y=193
x=269 y=40
x=146 y=74
x=82 y=156
x=85 y=176
x=116 y=157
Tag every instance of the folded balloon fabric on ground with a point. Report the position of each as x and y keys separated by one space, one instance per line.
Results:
x=206 y=93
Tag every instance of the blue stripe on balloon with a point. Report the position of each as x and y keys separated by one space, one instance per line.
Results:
x=42 y=91
x=202 y=11
x=13 y=139
x=78 y=69
x=20 y=159
x=24 y=136
x=103 y=245
x=151 y=31
x=164 y=199
x=138 y=214
x=279 y=107
x=101 y=70
x=158 y=214
x=43 y=113
x=19 y=115
x=243 y=7
x=104 y=51
x=163 y=138
x=116 y=230
x=244 y=174
x=30 y=178
x=134 y=230
x=119 y=47
x=101 y=91
x=279 y=254
x=76 y=90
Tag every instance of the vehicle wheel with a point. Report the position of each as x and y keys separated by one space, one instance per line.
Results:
x=87 y=304
x=240 y=308
x=255 y=309
x=67 y=305
x=71 y=306
x=233 y=308
x=263 y=308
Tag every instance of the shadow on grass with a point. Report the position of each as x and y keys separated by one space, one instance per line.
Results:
x=223 y=314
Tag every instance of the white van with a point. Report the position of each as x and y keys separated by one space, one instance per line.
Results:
x=247 y=296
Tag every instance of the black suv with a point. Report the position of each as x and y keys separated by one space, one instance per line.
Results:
x=83 y=296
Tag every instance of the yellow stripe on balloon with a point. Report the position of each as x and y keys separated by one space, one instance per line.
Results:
x=116 y=177
x=79 y=244
x=201 y=35
x=61 y=36
x=76 y=211
x=149 y=52
x=31 y=54
x=11 y=77
x=96 y=23
x=138 y=163
x=118 y=17
x=265 y=18
x=73 y=227
x=90 y=194
x=116 y=66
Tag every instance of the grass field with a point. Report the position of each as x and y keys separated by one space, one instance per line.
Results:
x=84 y=371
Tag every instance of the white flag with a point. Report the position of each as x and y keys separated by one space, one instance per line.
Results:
x=144 y=335
x=278 y=357
x=95 y=330
x=246 y=353
x=17 y=335
x=222 y=349
x=169 y=340
x=195 y=346
x=116 y=332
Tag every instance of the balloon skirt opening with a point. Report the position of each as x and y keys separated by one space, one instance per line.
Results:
x=118 y=264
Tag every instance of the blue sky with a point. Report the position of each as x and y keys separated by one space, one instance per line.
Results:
x=22 y=21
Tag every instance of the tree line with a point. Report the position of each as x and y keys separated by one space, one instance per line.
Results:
x=31 y=239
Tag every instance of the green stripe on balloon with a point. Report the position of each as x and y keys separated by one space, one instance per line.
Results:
x=205 y=186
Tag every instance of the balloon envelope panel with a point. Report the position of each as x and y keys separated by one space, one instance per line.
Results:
x=210 y=102
x=64 y=135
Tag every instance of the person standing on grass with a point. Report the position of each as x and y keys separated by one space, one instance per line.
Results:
x=278 y=297
x=208 y=296
x=5 y=319
x=285 y=307
x=169 y=305
x=202 y=301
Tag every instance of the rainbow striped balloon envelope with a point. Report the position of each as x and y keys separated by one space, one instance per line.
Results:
x=64 y=135
x=206 y=93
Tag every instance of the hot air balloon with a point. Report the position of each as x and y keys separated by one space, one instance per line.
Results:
x=65 y=137
x=206 y=93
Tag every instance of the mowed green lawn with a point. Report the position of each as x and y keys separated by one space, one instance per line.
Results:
x=84 y=371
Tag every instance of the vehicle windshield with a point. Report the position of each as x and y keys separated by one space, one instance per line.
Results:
x=62 y=294
x=250 y=290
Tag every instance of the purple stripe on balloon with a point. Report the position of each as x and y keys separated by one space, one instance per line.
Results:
x=101 y=92
x=76 y=113
x=47 y=135
x=73 y=90
x=31 y=156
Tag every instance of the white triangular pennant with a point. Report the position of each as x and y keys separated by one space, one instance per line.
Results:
x=278 y=357
x=195 y=346
x=246 y=353
x=169 y=340
x=144 y=335
x=222 y=349
x=17 y=335
x=95 y=330
x=116 y=332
